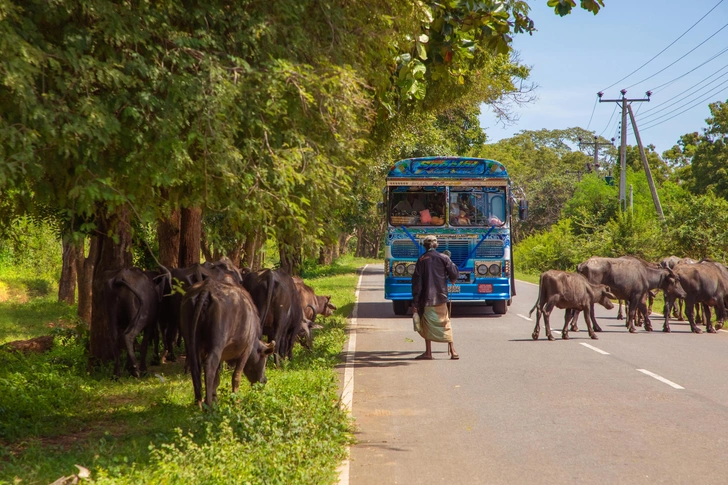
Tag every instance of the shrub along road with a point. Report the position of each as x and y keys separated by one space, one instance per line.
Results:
x=627 y=408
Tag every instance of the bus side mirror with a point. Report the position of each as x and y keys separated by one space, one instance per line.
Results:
x=523 y=209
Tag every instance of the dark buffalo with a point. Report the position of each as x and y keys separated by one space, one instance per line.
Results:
x=703 y=283
x=313 y=305
x=220 y=323
x=279 y=305
x=223 y=267
x=570 y=291
x=676 y=304
x=630 y=280
x=132 y=302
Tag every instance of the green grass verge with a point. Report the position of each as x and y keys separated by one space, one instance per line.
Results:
x=54 y=414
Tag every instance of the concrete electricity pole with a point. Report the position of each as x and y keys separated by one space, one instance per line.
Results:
x=623 y=145
x=655 y=197
x=596 y=144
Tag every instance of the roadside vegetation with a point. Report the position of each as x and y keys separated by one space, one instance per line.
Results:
x=55 y=414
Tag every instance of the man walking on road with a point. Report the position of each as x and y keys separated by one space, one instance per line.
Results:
x=429 y=294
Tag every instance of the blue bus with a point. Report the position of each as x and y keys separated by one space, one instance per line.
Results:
x=467 y=204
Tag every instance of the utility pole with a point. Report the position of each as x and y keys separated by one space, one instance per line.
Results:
x=623 y=102
x=655 y=197
x=596 y=144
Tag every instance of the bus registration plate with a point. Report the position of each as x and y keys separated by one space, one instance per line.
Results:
x=485 y=288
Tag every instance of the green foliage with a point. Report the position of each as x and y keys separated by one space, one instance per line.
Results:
x=593 y=204
x=697 y=225
x=32 y=245
x=709 y=163
x=554 y=249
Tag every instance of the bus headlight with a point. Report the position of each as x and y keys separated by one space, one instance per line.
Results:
x=482 y=269
x=495 y=269
x=411 y=269
x=399 y=269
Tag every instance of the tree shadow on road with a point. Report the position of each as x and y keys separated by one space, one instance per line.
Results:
x=389 y=358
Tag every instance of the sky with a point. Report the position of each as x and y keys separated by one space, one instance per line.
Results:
x=574 y=57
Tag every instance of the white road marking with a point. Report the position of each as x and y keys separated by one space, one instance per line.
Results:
x=721 y=330
x=347 y=396
x=524 y=317
x=526 y=282
x=594 y=348
x=661 y=379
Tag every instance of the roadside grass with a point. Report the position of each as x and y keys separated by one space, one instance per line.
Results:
x=55 y=414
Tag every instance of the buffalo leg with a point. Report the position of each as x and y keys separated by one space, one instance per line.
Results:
x=129 y=338
x=547 y=308
x=537 y=328
x=568 y=318
x=620 y=316
x=680 y=313
x=148 y=334
x=707 y=318
x=642 y=309
x=669 y=303
x=590 y=321
x=631 y=317
x=690 y=311
x=575 y=320
x=212 y=371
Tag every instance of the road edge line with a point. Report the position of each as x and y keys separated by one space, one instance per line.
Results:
x=347 y=395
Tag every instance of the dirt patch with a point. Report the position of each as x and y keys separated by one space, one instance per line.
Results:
x=37 y=345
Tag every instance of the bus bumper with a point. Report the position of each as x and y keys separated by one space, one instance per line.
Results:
x=480 y=290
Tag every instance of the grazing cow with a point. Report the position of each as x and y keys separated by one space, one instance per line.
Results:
x=570 y=291
x=676 y=304
x=630 y=280
x=220 y=323
x=279 y=305
x=703 y=283
x=313 y=304
x=131 y=303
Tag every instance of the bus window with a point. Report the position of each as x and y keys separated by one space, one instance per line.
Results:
x=477 y=206
x=423 y=206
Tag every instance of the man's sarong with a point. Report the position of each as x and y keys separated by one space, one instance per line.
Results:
x=435 y=324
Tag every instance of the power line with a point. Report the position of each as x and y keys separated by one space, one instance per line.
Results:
x=610 y=120
x=679 y=58
x=684 y=111
x=691 y=70
x=596 y=100
x=709 y=94
x=687 y=94
x=663 y=50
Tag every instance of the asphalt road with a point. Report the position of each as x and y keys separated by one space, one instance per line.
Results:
x=513 y=410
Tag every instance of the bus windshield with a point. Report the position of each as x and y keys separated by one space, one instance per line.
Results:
x=477 y=206
x=417 y=206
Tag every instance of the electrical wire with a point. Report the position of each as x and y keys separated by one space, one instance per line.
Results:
x=663 y=50
x=687 y=94
x=596 y=100
x=610 y=120
x=679 y=58
x=657 y=88
x=709 y=94
x=700 y=102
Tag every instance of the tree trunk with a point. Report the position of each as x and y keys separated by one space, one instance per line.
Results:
x=190 y=236
x=111 y=256
x=85 y=274
x=258 y=255
x=67 y=284
x=343 y=242
x=234 y=255
x=248 y=251
x=168 y=230
x=290 y=258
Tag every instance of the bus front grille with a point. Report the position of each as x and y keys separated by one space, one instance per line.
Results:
x=459 y=249
x=404 y=248
x=490 y=248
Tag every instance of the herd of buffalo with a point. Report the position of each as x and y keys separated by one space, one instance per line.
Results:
x=220 y=311
x=696 y=284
